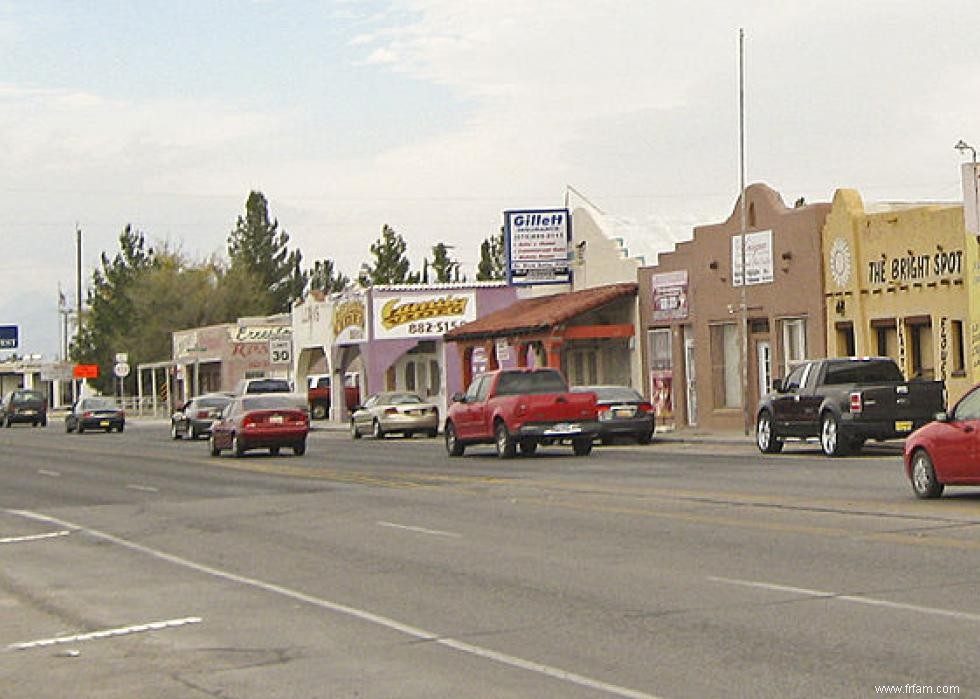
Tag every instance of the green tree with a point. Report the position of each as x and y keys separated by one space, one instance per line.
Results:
x=326 y=278
x=491 y=265
x=260 y=249
x=444 y=268
x=391 y=266
x=110 y=319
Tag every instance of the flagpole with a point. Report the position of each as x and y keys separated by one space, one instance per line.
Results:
x=743 y=308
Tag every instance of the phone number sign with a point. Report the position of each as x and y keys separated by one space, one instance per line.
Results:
x=9 y=337
x=421 y=315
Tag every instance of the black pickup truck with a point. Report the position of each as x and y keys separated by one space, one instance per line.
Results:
x=845 y=402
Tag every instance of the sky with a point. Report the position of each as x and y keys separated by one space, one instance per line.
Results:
x=435 y=116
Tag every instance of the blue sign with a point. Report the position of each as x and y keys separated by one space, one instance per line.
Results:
x=8 y=337
x=537 y=244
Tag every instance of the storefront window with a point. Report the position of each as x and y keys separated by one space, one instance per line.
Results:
x=725 y=375
x=919 y=334
x=410 y=376
x=958 y=352
x=435 y=378
x=661 y=372
x=794 y=341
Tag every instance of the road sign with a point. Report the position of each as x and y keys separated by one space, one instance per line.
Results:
x=281 y=351
x=121 y=357
x=9 y=336
x=121 y=370
x=86 y=371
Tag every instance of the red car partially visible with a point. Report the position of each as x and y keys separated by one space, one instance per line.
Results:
x=262 y=421
x=947 y=451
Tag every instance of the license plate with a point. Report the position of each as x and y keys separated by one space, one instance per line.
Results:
x=276 y=419
x=103 y=423
x=29 y=412
x=623 y=412
x=903 y=425
x=563 y=428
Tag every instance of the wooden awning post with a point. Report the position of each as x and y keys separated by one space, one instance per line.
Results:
x=552 y=349
x=466 y=360
x=521 y=350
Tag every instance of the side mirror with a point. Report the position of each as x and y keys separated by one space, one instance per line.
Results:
x=941 y=417
x=459 y=397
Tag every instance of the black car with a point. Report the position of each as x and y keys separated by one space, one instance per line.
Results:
x=623 y=412
x=24 y=405
x=194 y=418
x=95 y=414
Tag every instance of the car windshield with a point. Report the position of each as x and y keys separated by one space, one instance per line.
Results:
x=523 y=382
x=861 y=371
x=402 y=398
x=216 y=402
x=27 y=395
x=97 y=404
x=268 y=386
x=611 y=393
x=273 y=402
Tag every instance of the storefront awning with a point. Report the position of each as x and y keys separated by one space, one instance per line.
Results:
x=541 y=313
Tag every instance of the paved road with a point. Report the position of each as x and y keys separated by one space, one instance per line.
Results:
x=135 y=566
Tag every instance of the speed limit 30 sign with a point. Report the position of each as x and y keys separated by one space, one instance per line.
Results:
x=281 y=351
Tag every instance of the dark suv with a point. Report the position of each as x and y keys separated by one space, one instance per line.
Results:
x=24 y=405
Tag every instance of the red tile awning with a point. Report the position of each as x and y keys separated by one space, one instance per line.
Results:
x=530 y=316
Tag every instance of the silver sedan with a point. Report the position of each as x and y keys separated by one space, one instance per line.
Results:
x=405 y=413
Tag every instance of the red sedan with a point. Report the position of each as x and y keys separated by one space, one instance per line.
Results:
x=264 y=421
x=947 y=451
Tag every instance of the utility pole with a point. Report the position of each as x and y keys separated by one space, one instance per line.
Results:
x=78 y=299
x=743 y=307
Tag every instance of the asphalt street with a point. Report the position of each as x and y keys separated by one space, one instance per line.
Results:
x=132 y=565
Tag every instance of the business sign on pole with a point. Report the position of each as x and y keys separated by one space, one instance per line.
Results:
x=758 y=258
x=669 y=295
x=9 y=337
x=121 y=369
x=421 y=315
x=281 y=351
x=538 y=243
x=86 y=371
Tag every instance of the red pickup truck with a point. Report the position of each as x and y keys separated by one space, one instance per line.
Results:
x=522 y=408
x=318 y=393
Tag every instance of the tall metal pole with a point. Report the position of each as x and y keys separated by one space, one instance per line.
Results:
x=743 y=308
x=78 y=299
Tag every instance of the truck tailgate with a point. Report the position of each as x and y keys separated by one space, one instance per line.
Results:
x=915 y=400
x=557 y=407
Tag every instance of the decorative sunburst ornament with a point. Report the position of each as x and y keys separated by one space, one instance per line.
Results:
x=840 y=262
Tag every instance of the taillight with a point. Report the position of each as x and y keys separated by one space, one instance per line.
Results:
x=645 y=407
x=391 y=411
x=87 y=413
x=202 y=414
x=248 y=421
x=857 y=405
x=605 y=412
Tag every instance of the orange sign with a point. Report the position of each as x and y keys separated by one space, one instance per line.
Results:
x=86 y=371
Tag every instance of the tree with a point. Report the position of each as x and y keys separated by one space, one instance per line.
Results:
x=324 y=277
x=491 y=266
x=390 y=264
x=110 y=320
x=443 y=266
x=259 y=248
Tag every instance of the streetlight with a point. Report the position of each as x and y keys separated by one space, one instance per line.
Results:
x=973 y=226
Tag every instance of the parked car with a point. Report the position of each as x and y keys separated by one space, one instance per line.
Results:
x=521 y=407
x=622 y=412
x=318 y=394
x=194 y=418
x=405 y=413
x=249 y=386
x=843 y=402
x=24 y=405
x=95 y=414
x=947 y=451
x=262 y=421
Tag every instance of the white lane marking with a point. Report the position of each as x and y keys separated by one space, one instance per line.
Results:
x=419 y=530
x=34 y=537
x=413 y=631
x=143 y=488
x=107 y=633
x=871 y=601
x=45 y=472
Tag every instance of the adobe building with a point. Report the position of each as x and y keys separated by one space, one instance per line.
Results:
x=896 y=281
x=690 y=305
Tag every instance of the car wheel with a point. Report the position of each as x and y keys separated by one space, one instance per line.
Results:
x=35 y=423
x=174 y=434
x=432 y=434
x=299 y=448
x=7 y=422
x=925 y=485
x=122 y=426
x=44 y=421
x=454 y=447
x=237 y=446
x=376 y=430
x=528 y=447
x=644 y=437
x=274 y=451
x=81 y=428
x=215 y=451
x=506 y=447
x=68 y=428
x=765 y=437
x=830 y=439
x=582 y=447
x=354 y=432
x=194 y=433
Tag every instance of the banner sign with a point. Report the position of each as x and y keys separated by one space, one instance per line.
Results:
x=86 y=371
x=669 y=295
x=758 y=258
x=421 y=314
x=537 y=243
x=9 y=337
x=262 y=333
